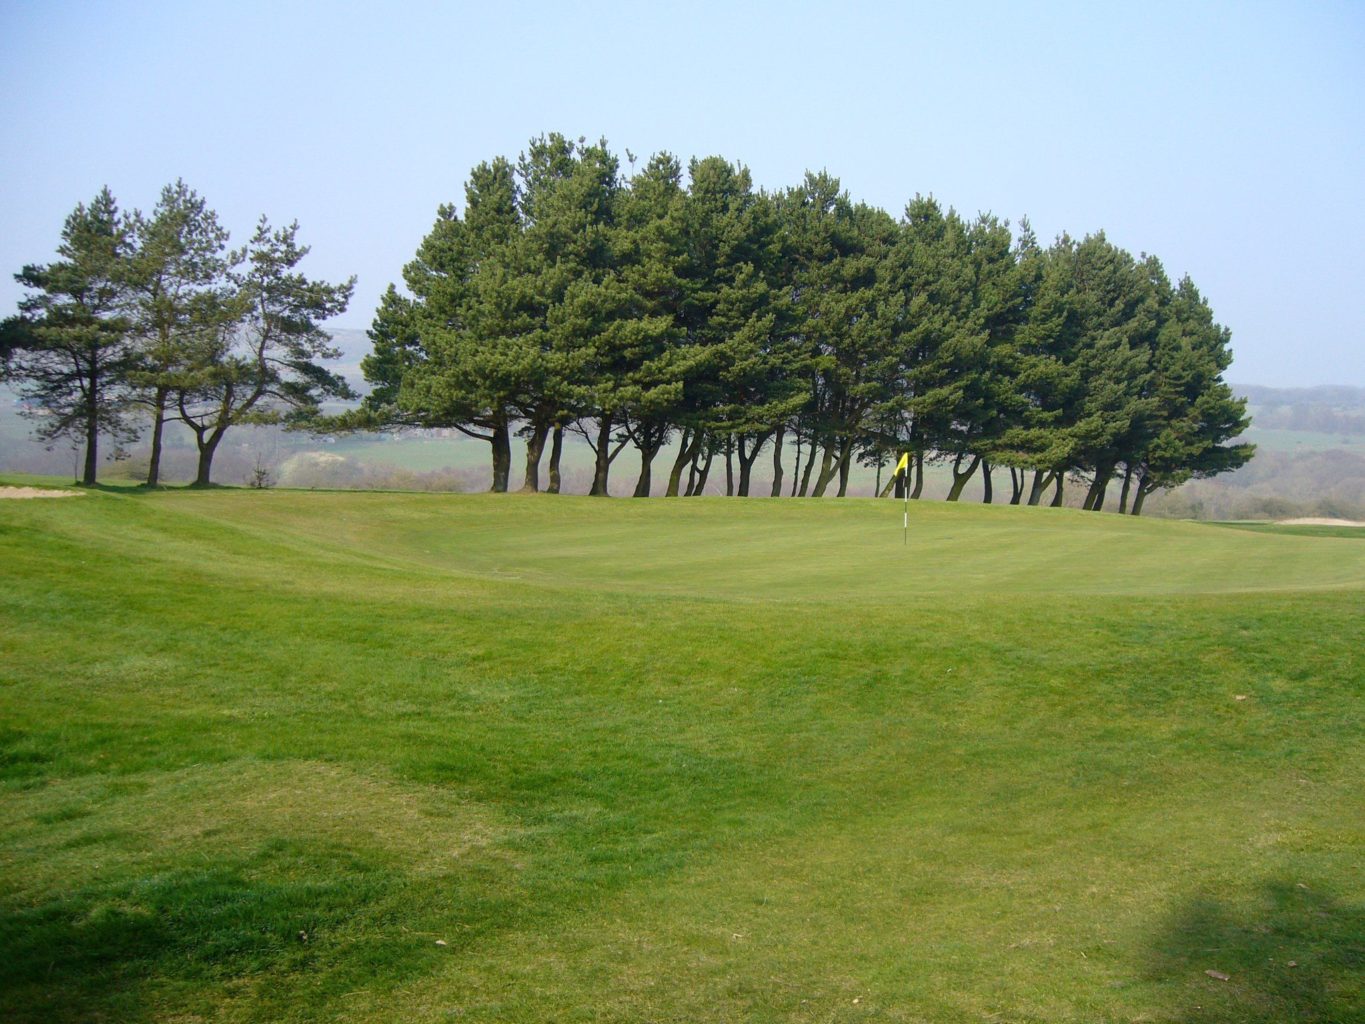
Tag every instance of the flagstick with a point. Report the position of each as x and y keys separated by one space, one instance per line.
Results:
x=905 y=490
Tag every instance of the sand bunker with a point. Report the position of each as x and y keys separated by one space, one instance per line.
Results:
x=1320 y=521
x=34 y=492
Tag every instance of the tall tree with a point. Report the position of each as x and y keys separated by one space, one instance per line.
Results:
x=598 y=326
x=848 y=309
x=1117 y=305
x=402 y=393
x=262 y=362
x=68 y=348
x=740 y=319
x=1085 y=366
x=651 y=257
x=480 y=344
x=176 y=279
x=939 y=343
x=1197 y=411
x=978 y=357
x=470 y=311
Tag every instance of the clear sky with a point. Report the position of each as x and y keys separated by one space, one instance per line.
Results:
x=1228 y=139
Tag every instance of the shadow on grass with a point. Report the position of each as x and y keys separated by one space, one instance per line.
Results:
x=1298 y=530
x=175 y=942
x=1291 y=953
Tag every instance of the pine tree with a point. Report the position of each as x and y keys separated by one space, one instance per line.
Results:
x=68 y=349
x=1197 y=411
x=261 y=363
x=176 y=281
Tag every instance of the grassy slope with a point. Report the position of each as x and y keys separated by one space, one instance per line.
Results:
x=672 y=761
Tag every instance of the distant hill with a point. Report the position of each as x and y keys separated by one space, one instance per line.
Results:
x=1337 y=396
x=355 y=345
x=1310 y=459
x=1329 y=409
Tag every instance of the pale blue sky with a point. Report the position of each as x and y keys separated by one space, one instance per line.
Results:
x=1226 y=138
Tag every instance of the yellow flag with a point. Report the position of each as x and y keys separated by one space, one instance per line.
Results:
x=904 y=464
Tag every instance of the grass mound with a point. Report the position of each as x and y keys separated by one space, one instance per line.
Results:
x=355 y=756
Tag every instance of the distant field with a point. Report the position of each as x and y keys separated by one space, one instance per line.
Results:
x=1299 y=472
x=419 y=453
x=288 y=756
x=1304 y=440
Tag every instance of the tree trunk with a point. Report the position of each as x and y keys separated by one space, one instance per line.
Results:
x=647 y=454
x=1041 y=479
x=810 y=465
x=1094 y=498
x=746 y=462
x=687 y=446
x=502 y=456
x=796 y=472
x=1123 y=494
x=92 y=443
x=960 y=479
x=704 y=472
x=1057 y=495
x=158 y=425
x=1016 y=485
x=919 y=476
x=1142 y=492
x=556 y=449
x=206 y=452
x=829 y=465
x=694 y=470
x=602 y=467
x=535 y=446
x=987 y=492
x=845 y=463
x=777 y=461
x=729 y=465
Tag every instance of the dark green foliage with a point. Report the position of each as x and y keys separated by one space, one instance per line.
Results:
x=69 y=348
x=176 y=292
x=1196 y=411
x=257 y=361
x=642 y=310
x=155 y=312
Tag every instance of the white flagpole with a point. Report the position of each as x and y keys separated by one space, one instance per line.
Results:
x=905 y=490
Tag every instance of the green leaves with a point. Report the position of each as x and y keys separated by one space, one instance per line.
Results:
x=69 y=350
x=660 y=303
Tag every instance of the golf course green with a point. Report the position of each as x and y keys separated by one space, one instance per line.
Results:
x=341 y=756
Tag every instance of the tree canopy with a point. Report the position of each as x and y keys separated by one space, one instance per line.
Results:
x=154 y=318
x=647 y=307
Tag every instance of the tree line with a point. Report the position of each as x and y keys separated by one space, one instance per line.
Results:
x=148 y=319
x=653 y=307
x=645 y=307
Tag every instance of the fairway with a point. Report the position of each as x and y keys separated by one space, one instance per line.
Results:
x=317 y=756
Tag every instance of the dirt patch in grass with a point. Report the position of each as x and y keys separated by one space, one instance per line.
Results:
x=34 y=492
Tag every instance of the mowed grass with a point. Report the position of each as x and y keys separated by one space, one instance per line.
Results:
x=285 y=756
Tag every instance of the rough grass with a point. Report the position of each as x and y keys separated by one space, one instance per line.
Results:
x=672 y=760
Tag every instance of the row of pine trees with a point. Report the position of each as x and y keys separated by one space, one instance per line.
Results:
x=652 y=308
x=150 y=319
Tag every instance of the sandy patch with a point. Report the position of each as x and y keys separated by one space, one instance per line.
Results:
x=1319 y=521
x=34 y=492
